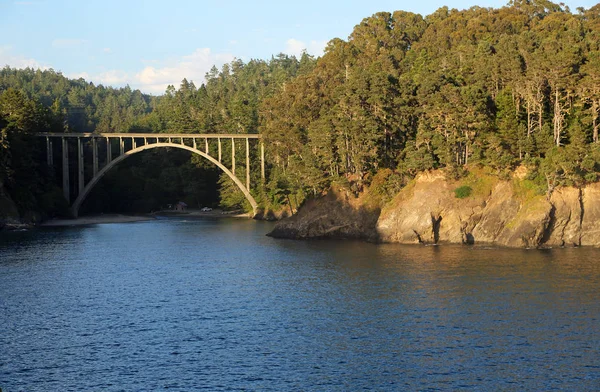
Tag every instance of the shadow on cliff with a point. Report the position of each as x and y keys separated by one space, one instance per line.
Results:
x=337 y=215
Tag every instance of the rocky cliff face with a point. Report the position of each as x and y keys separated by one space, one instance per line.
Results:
x=427 y=211
x=336 y=215
x=590 y=210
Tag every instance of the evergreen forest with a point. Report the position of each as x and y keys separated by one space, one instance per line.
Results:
x=457 y=89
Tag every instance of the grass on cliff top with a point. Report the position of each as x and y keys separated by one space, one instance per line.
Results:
x=385 y=186
x=480 y=181
x=526 y=190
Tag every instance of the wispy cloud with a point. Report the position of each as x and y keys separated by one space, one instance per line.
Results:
x=66 y=43
x=18 y=61
x=107 y=78
x=296 y=47
x=155 y=79
x=157 y=75
x=106 y=50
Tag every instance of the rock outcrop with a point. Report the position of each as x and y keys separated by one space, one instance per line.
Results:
x=428 y=211
x=590 y=209
x=566 y=218
x=336 y=215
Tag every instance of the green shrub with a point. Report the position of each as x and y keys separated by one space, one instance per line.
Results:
x=463 y=191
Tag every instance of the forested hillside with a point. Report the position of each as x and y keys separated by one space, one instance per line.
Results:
x=499 y=88
x=503 y=87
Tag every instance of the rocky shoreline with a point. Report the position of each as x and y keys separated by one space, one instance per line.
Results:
x=427 y=211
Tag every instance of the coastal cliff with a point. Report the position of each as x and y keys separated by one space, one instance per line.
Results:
x=336 y=215
x=429 y=210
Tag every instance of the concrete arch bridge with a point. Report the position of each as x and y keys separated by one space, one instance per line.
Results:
x=120 y=146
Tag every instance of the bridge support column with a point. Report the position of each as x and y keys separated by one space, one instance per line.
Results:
x=262 y=160
x=95 y=156
x=121 y=146
x=49 y=152
x=233 y=156
x=80 y=168
x=219 y=140
x=206 y=145
x=108 y=151
x=65 y=170
x=247 y=165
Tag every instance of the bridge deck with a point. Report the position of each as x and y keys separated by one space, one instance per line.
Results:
x=157 y=135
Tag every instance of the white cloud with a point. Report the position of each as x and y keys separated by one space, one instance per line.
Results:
x=108 y=78
x=18 y=61
x=294 y=47
x=83 y=75
x=155 y=79
x=66 y=43
x=152 y=77
x=106 y=50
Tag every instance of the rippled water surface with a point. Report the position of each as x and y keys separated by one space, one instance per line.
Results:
x=216 y=305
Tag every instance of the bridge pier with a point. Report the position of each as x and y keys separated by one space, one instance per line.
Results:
x=247 y=165
x=94 y=156
x=233 y=156
x=219 y=139
x=262 y=160
x=49 y=152
x=108 y=151
x=65 y=170
x=80 y=167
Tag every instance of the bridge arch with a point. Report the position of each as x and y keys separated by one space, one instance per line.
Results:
x=90 y=185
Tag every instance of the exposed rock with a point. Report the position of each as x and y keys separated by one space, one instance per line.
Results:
x=427 y=211
x=590 y=225
x=399 y=222
x=337 y=215
x=565 y=225
x=528 y=226
x=499 y=210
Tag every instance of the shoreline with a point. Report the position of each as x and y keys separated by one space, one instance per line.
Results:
x=193 y=213
x=96 y=219
x=121 y=218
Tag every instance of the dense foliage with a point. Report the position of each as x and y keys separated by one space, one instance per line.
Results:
x=495 y=87
x=22 y=178
x=227 y=103
x=500 y=88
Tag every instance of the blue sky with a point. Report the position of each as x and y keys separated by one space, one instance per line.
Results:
x=150 y=44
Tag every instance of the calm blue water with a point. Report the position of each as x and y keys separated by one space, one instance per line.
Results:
x=216 y=305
